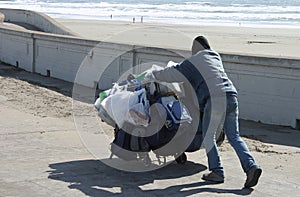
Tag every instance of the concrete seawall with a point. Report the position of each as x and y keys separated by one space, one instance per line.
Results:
x=34 y=20
x=269 y=88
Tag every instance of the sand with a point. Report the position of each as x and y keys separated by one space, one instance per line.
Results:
x=34 y=99
x=269 y=42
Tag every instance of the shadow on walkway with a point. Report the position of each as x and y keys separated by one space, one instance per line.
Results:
x=94 y=178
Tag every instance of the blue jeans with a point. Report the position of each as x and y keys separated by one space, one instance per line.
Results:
x=231 y=128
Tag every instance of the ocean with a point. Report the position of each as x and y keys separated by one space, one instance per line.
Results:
x=202 y=12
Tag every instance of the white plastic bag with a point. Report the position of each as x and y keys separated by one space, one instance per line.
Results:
x=97 y=103
x=116 y=88
x=119 y=104
x=138 y=113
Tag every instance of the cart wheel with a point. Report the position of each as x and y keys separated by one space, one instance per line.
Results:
x=181 y=159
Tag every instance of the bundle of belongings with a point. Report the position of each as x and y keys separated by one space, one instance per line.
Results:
x=147 y=117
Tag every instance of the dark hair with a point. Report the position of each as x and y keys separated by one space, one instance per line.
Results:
x=203 y=41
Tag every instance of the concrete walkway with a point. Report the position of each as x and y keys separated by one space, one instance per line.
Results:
x=41 y=154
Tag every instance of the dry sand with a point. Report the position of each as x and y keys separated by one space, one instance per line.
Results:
x=271 y=42
x=34 y=99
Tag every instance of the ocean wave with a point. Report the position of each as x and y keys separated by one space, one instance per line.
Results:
x=167 y=11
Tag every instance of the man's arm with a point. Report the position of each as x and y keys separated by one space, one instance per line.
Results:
x=169 y=74
x=178 y=73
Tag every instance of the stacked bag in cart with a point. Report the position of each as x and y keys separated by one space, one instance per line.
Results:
x=128 y=110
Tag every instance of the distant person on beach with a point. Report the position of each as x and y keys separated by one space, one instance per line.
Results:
x=205 y=73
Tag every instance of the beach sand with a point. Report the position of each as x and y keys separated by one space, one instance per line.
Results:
x=266 y=42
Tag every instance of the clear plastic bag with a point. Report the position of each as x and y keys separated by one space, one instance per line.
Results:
x=125 y=106
x=137 y=115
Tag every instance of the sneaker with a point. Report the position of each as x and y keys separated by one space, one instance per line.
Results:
x=213 y=177
x=252 y=176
